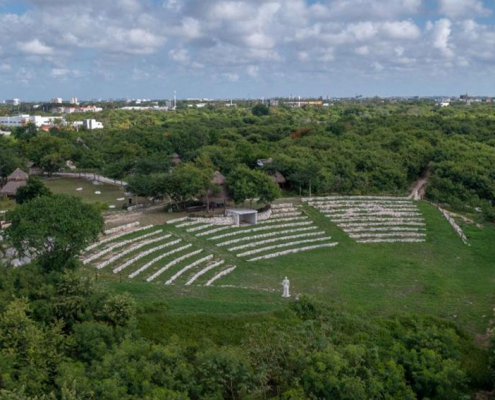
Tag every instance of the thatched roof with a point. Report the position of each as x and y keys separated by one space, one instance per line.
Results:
x=11 y=187
x=218 y=179
x=18 y=175
x=277 y=177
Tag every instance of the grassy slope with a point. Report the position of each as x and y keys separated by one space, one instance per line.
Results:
x=442 y=277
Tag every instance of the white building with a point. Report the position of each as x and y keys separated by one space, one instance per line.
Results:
x=57 y=100
x=13 y=102
x=21 y=120
x=74 y=100
x=92 y=124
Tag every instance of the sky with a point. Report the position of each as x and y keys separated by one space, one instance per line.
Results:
x=245 y=48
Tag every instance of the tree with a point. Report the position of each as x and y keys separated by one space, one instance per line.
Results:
x=55 y=229
x=34 y=188
x=205 y=171
x=249 y=184
x=260 y=110
x=49 y=152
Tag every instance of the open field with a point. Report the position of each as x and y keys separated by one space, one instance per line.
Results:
x=109 y=194
x=440 y=276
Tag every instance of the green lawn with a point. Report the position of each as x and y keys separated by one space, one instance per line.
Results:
x=442 y=277
x=109 y=193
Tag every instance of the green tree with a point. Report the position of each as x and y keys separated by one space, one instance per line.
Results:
x=49 y=152
x=205 y=170
x=260 y=109
x=56 y=229
x=34 y=188
x=249 y=184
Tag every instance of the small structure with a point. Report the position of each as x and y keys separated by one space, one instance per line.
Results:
x=15 y=180
x=243 y=216
x=175 y=159
x=221 y=195
x=278 y=178
x=34 y=169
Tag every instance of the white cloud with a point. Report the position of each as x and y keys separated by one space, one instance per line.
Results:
x=404 y=30
x=179 y=55
x=59 y=72
x=35 y=47
x=253 y=71
x=440 y=33
x=231 y=77
x=463 y=8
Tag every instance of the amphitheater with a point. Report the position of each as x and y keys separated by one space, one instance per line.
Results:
x=193 y=251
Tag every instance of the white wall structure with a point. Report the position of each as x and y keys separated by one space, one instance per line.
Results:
x=243 y=216
x=21 y=120
x=92 y=124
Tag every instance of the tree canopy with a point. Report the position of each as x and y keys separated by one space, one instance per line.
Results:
x=54 y=228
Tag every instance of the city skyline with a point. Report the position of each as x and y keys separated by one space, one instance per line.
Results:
x=240 y=49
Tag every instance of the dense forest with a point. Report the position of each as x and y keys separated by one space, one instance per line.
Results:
x=63 y=336
x=346 y=148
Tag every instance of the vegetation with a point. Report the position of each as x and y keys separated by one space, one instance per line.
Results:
x=59 y=335
x=54 y=228
x=401 y=320
x=34 y=188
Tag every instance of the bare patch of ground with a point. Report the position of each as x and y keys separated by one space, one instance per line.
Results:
x=419 y=188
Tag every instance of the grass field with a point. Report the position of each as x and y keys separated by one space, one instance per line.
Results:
x=109 y=194
x=441 y=277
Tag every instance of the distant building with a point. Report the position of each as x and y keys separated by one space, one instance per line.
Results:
x=57 y=100
x=71 y=110
x=74 y=100
x=22 y=120
x=13 y=102
x=92 y=124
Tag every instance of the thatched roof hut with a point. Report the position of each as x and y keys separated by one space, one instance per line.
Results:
x=218 y=179
x=278 y=178
x=18 y=175
x=222 y=194
x=11 y=187
x=34 y=169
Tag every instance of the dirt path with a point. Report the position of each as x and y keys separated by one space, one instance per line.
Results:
x=418 y=191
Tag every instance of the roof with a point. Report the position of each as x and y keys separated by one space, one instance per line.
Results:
x=241 y=211
x=11 y=187
x=18 y=175
x=218 y=178
x=278 y=178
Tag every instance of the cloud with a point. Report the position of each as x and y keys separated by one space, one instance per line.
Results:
x=463 y=8
x=35 y=47
x=440 y=34
x=231 y=77
x=256 y=42
x=253 y=71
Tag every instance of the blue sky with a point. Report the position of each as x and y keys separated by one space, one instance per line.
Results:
x=256 y=48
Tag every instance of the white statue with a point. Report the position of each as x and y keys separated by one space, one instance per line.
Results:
x=286 y=284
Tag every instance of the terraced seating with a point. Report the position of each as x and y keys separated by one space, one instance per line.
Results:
x=374 y=219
